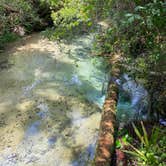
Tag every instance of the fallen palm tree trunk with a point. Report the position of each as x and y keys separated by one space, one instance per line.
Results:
x=106 y=142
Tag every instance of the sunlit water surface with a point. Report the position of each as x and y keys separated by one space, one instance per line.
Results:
x=50 y=103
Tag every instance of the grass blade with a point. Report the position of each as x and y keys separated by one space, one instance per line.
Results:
x=145 y=134
x=138 y=133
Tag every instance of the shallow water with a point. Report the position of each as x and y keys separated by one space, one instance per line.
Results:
x=50 y=103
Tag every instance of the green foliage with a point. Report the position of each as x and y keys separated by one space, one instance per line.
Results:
x=72 y=16
x=8 y=37
x=125 y=139
x=14 y=14
x=67 y=15
x=151 y=151
x=137 y=32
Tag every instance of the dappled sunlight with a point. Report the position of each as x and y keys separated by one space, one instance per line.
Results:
x=25 y=105
x=50 y=94
x=39 y=43
x=52 y=104
x=79 y=79
x=14 y=118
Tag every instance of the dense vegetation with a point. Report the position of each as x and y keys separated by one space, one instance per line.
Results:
x=20 y=16
x=136 y=31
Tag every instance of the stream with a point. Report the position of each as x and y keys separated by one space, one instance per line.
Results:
x=51 y=96
x=50 y=102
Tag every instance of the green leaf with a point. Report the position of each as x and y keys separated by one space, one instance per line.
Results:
x=145 y=134
x=138 y=133
x=138 y=8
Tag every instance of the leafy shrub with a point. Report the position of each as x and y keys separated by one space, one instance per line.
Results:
x=137 y=32
x=14 y=15
x=67 y=15
x=73 y=16
x=151 y=151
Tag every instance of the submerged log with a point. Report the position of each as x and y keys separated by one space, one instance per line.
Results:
x=106 y=143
